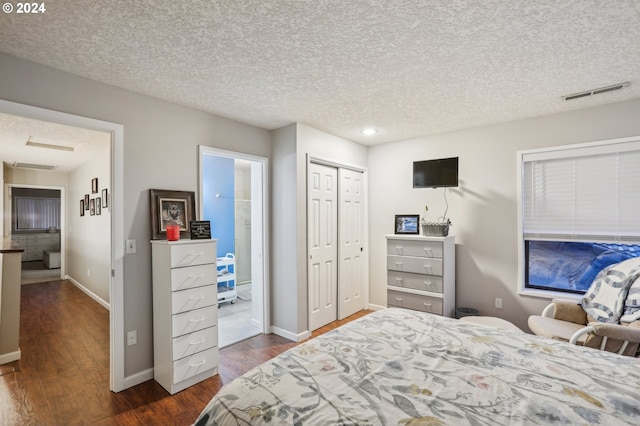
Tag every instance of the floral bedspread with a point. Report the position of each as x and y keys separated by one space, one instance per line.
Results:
x=402 y=367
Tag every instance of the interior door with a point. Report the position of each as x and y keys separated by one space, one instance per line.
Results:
x=351 y=245
x=322 y=229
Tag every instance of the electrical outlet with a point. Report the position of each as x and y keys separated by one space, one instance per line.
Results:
x=132 y=337
x=498 y=303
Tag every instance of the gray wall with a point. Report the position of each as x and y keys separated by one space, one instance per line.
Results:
x=292 y=145
x=160 y=151
x=483 y=208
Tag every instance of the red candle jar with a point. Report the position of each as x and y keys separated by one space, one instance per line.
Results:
x=173 y=232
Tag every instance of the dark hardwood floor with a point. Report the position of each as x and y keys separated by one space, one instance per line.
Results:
x=63 y=376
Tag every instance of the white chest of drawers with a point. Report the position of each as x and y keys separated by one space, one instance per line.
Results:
x=185 y=312
x=421 y=273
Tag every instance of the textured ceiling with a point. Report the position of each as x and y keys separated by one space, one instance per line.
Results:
x=16 y=131
x=408 y=68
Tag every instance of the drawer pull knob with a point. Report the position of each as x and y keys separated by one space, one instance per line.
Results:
x=196 y=276
x=428 y=283
x=427 y=267
x=197 y=319
x=197 y=364
x=196 y=297
x=198 y=342
x=398 y=299
x=428 y=251
x=399 y=265
x=399 y=280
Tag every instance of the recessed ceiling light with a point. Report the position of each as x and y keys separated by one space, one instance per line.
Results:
x=370 y=131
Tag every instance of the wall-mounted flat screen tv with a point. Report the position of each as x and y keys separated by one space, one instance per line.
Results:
x=435 y=173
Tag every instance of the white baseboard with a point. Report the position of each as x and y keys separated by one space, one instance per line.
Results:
x=136 y=379
x=257 y=324
x=376 y=307
x=89 y=293
x=289 y=335
x=10 y=357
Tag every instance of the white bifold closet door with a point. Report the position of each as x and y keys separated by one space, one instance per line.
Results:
x=350 y=242
x=335 y=229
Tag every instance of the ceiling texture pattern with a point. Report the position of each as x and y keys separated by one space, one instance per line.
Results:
x=408 y=68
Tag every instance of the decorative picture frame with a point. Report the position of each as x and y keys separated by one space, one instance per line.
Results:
x=92 y=207
x=98 y=206
x=94 y=185
x=171 y=207
x=82 y=209
x=200 y=230
x=105 y=198
x=86 y=201
x=407 y=224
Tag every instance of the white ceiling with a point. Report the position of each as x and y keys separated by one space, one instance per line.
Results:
x=16 y=131
x=408 y=68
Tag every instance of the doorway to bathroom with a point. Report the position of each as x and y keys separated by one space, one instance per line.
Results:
x=232 y=197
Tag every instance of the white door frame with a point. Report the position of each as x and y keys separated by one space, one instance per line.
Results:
x=259 y=234
x=8 y=206
x=116 y=288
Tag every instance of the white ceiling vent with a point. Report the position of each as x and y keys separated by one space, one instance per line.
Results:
x=33 y=166
x=597 y=91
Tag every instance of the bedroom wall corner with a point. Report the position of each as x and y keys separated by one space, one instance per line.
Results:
x=483 y=209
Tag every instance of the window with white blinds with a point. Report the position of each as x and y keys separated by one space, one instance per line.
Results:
x=589 y=193
x=37 y=213
x=579 y=212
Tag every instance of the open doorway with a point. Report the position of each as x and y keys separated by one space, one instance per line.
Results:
x=232 y=197
x=110 y=188
x=37 y=220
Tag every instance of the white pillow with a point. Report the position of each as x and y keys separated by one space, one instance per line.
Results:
x=604 y=300
x=632 y=303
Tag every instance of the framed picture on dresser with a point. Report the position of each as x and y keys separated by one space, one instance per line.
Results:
x=407 y=224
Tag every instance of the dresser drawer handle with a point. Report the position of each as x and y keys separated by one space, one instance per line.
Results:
x=399 y=280
x=428 y=251
x=427 y=267
x=428 y=284
x=428 y=306
x=196 y=297
x=198 y=342
x=398 y=299
x=197 y=319
x=196 y=276
x=399 y=265
x=197 y=364
x=195 y=253
x=399 y=249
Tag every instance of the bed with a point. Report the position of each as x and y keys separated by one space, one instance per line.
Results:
x=403 y=367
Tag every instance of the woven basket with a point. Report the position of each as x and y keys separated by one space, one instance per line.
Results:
x=435 y=229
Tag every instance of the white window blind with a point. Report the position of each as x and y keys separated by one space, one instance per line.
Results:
x=588 y=193
x=37 y=213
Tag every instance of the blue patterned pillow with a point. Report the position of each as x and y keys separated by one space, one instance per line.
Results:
x=605 y=299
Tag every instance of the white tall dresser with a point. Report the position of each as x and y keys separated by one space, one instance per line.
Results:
x=185 y=312
x=421 y=273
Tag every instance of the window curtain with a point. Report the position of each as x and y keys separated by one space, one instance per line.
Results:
x=37 y=213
